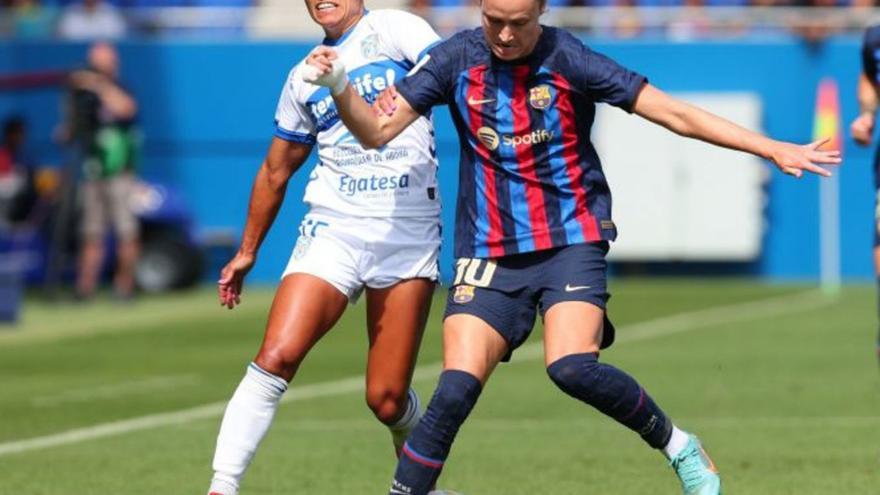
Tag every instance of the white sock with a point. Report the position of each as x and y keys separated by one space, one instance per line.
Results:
x=401 y=429
x=245 y=423
x=677 y=442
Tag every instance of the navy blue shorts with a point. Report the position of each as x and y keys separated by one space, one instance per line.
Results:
x=507 y=293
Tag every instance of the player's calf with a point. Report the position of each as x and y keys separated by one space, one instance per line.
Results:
x=619 y=396
x=425 y=451
x=614 y=393
x=245 y=423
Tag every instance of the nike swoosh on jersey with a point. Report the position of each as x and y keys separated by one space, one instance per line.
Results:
x=471 y=101
x=572 y=288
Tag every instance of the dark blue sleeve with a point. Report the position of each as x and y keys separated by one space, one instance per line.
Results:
x=870 y=47
x=430 y=81
x=606 y=81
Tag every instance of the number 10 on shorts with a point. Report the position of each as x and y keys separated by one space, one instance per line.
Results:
x=466 y=270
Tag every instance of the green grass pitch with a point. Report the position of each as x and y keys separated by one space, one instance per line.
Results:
x=782 y=385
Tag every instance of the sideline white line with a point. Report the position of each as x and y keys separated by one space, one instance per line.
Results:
x=116 y=390
x=660 y=327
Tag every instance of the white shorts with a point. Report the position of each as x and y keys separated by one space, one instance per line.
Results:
x=353 y=252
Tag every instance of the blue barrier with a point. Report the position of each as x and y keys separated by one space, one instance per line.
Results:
x=207 y=112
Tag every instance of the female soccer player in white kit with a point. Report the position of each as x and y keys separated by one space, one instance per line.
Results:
x=373 y=222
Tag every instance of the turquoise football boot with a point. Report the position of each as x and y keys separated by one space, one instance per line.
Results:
x=696 y=471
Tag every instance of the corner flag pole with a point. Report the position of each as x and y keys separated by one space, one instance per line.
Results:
x=827 y=125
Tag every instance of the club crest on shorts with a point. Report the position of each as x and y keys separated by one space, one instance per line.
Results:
x=463 y=294
x=539 y=97
x=302 y=246
x=370 y=46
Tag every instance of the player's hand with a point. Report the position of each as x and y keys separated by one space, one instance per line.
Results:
x=324 y=68
x=386 y=103
x=794 y=160
x=232 y=278
x=862 y=128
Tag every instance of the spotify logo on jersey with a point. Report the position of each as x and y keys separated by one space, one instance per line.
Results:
x=489 y=137
x=492 y=140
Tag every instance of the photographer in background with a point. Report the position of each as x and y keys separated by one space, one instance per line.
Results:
x=100 y=123
x=18 y=195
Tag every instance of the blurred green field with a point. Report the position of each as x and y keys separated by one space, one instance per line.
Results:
x=781 y=383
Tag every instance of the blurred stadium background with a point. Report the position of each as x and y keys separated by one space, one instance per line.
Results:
x=745 y=298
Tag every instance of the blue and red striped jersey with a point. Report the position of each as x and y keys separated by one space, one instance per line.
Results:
x=529 y=177
x=871 y=53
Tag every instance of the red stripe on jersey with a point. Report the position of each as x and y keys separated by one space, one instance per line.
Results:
x=476 y=93
x=525 y=159
x=570 y=143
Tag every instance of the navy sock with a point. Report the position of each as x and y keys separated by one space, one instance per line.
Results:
x=427 y=447
x=614 y=393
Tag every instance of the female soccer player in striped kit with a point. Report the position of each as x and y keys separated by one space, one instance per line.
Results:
x=533 y=222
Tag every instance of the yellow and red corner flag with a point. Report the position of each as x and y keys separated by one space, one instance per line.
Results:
x=827 y=120
x=827 y=125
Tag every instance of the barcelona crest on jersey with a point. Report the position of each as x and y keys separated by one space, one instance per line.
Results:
x=539 y=97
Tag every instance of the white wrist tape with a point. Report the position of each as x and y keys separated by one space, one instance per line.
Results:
x=336 y=79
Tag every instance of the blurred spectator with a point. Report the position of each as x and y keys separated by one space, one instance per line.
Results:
x=816 y=27
x=91 y=20
x=100 y=122
x=624 y=23
x=30 y=19
x=690 y=23
x=17 y=192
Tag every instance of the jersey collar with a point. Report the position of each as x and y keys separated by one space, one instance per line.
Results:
x=345 y=35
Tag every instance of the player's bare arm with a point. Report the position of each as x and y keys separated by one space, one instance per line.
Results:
x=862 y=128
x=267 y=194
x=690 y=121
x=372 y=129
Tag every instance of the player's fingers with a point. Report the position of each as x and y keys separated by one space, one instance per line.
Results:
x=322 y=51
x=817 y=170
x=792 y=171
x=386 y=103
x=322 y=65
x=318 y=60
x=222 y=290
x=815 y=145
x=826 y=157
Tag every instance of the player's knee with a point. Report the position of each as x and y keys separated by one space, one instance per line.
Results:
x=575 y=374
x=387 y=403
x=278 y=362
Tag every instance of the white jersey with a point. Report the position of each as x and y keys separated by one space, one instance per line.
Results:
x=397 y=180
